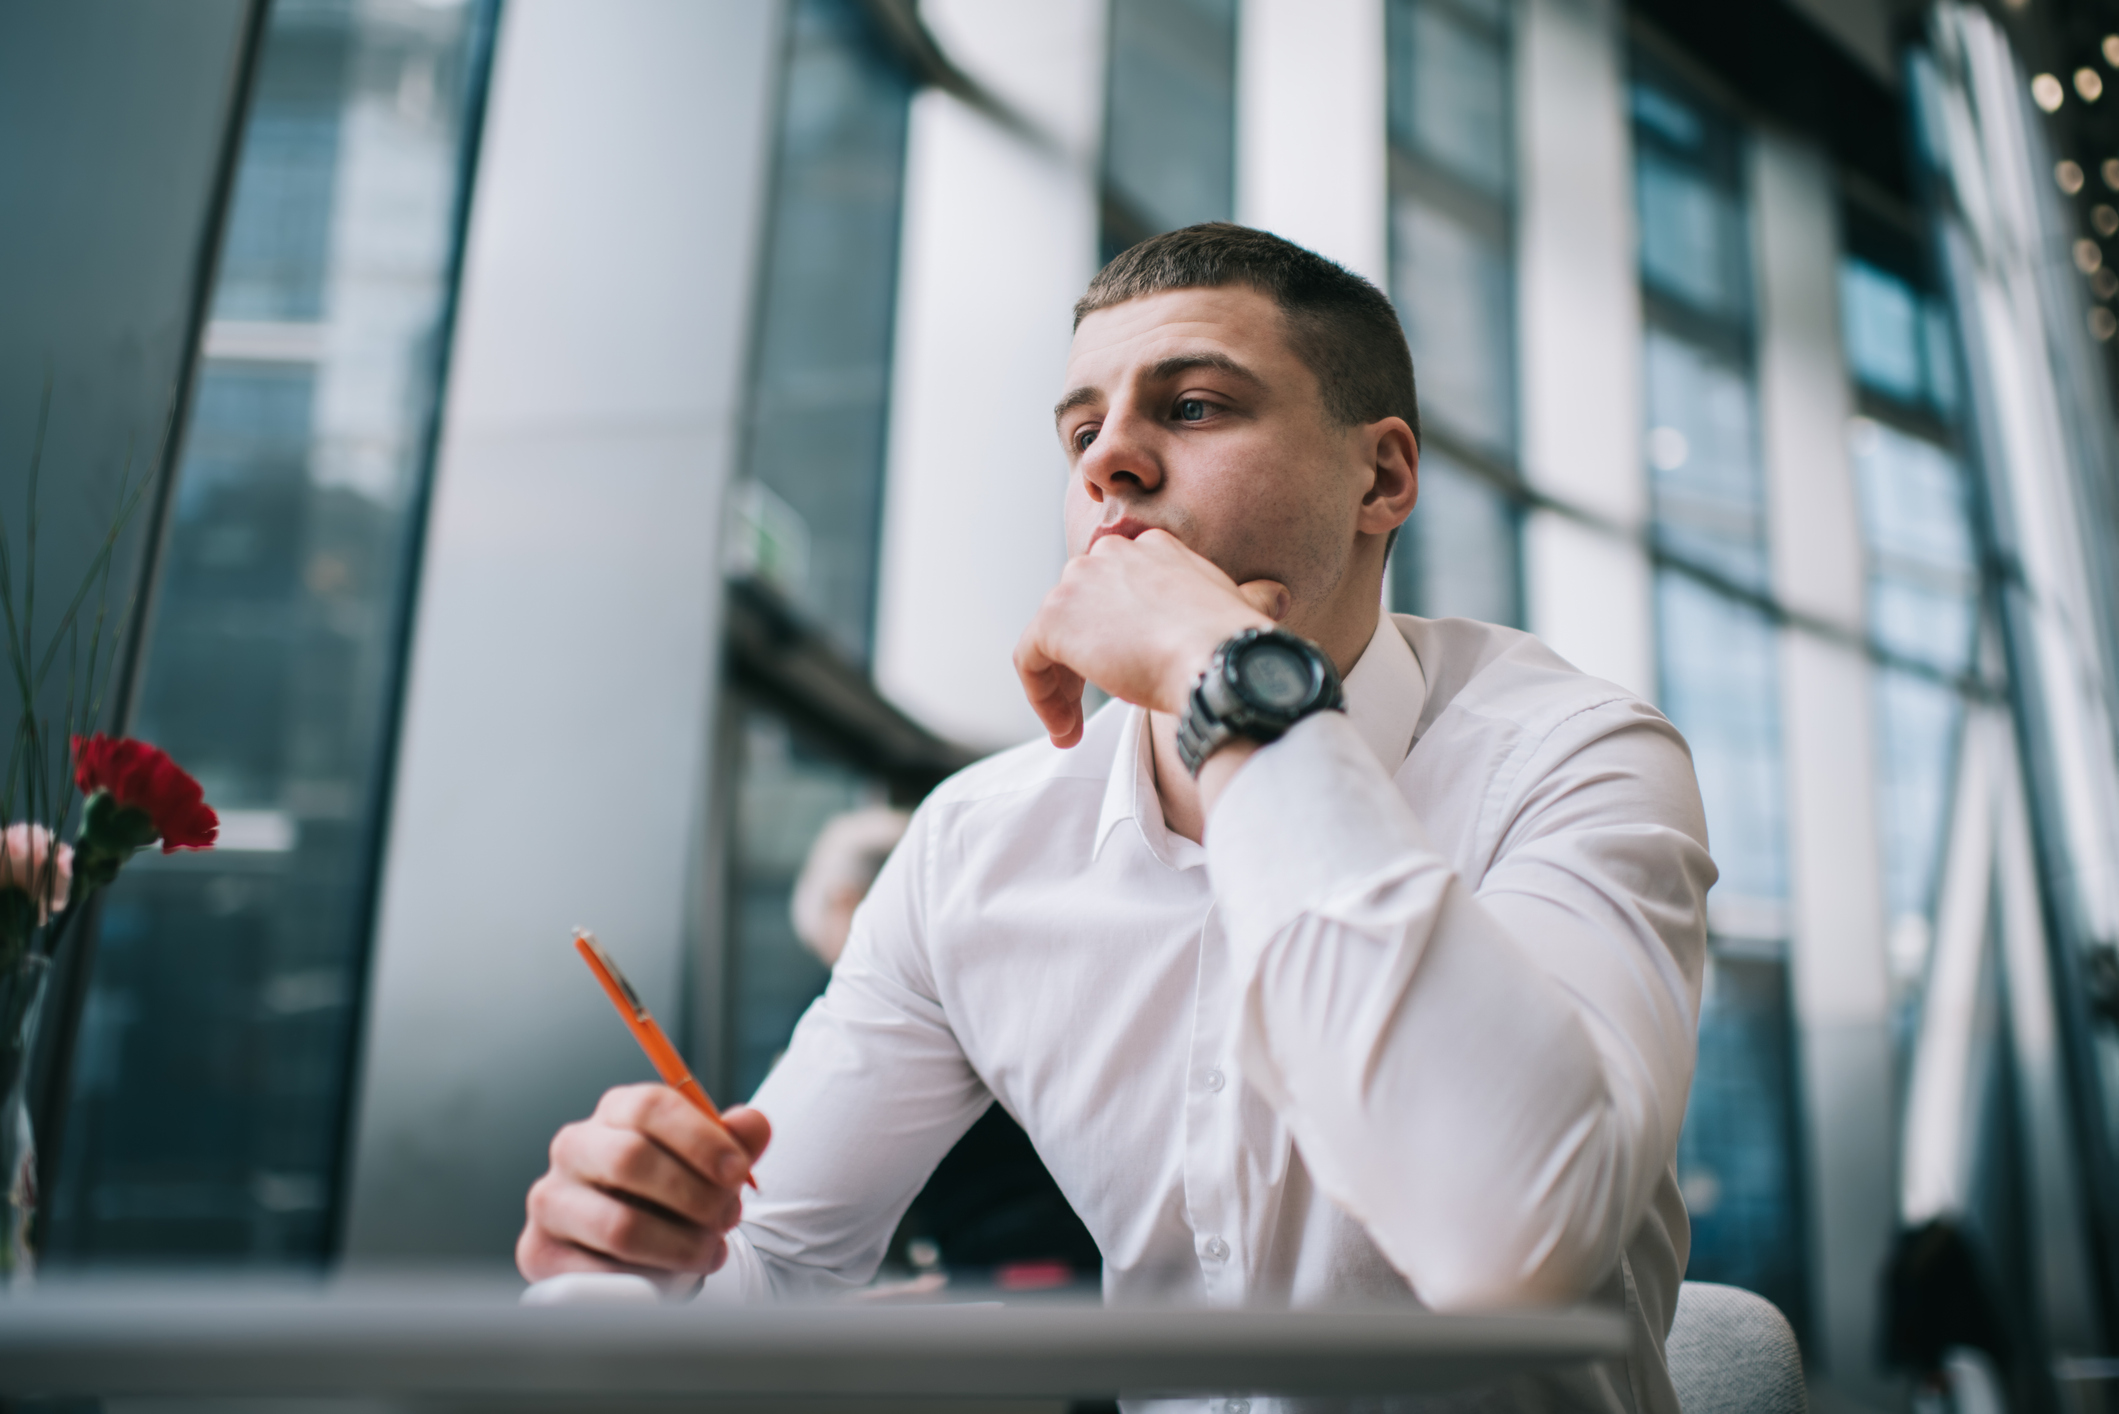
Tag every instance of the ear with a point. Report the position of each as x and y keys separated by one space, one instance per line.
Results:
x=1394 y=456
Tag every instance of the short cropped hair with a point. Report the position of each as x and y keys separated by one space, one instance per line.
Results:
x=1342 y=327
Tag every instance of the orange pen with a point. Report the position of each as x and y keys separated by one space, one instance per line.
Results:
x=668 y=1064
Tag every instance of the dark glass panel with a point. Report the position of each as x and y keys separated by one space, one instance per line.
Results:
x=1454 y=286
x=820 y=396
x=1736 y=1157
x=215 y=1056
x=274 y=261
x=1703 y=458
x=786 y=792
x=1457 y=556
x=1898 y=340
x=1449 y=89
x=1453 y=281
x=1719 y=682
x=1923 y=606
x=1170 y=127
x=1721 y=686
x=1688 y=188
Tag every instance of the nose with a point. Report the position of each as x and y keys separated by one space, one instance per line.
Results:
x=1123 y=459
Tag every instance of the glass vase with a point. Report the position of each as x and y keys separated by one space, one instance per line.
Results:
x=21 y=1001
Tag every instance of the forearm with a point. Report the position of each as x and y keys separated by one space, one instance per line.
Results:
x=1455 y=1104
x=1491 y=1085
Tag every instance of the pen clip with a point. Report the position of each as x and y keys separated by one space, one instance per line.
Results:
x=610 y=968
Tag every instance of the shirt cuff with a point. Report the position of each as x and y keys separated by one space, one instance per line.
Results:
x=1309 y=822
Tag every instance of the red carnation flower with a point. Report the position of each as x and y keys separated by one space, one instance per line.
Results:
x=142 y=777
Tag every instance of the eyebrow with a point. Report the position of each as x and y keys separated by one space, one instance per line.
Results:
x=1163 y=369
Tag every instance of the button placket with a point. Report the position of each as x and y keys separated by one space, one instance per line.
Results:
x=1210 y=1199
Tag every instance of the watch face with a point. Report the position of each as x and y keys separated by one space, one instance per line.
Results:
x=1274 y=677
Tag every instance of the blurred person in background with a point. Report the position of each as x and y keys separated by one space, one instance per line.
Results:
x=843 y=862
x=1343 y=956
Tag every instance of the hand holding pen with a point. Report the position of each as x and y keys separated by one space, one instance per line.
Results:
x=660 y=1053
x=649 y=1183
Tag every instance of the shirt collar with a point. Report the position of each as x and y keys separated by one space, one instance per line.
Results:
x=1385 y=693
x=1129 y=794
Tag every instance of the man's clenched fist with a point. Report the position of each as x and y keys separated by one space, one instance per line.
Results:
x=1138 y=617
x=647 y=1184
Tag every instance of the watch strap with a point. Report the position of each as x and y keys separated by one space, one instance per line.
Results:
x=1215 y=713
x=1199 y=732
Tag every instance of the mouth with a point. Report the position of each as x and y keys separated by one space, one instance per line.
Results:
x=1126 y=528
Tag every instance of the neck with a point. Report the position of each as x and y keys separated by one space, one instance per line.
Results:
x=1185 y=805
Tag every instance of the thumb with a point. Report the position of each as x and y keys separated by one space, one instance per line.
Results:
x=1267 y=596
x=751 y=1129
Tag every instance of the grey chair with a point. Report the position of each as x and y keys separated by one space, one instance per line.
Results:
x=1732 y=1352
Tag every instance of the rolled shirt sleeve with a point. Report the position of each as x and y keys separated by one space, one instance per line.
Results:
x=1489 y=1073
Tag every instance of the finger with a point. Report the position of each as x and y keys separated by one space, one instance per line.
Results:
x=1162 y=542
x=539 y=1256
x=1053 y=688
x=752 y=1129
x=629 y=1163
x=631 y=1233
x=1267 y=596
x=671 y=1121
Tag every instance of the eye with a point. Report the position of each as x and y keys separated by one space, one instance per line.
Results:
x=1083 y=438
x=1191 y=409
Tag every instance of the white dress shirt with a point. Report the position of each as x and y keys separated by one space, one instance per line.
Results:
x=1416 y=1023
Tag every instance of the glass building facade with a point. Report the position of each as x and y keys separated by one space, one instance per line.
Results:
x=1970 y=286
x=1452 y=263
x=807 y=520
x=2022 y=1159
x=1169 y=155
x=1717 y=662
x=1925 y=588
x=812 y=506
x=211 y=1078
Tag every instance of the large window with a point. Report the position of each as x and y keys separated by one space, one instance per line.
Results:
x=1169 y=118
x=820 y=395
x=1923 y=578
x=1717 y=668
x=808 y=518
x=1452 y=278
x=788 y=787
x=210 y=1085
x=804 y=735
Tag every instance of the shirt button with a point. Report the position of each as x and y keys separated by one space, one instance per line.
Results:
x=1215 y=1081
x=1216 y=1250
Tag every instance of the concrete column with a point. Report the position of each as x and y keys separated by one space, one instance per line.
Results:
x=1837 y=958
x=999 y=242
x=555 y=730
x=1311 y=145
x=1588 y=588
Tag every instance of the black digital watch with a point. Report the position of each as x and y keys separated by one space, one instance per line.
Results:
x=1257 y=685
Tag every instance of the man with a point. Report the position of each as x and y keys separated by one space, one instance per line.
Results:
x=1415 y=1020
